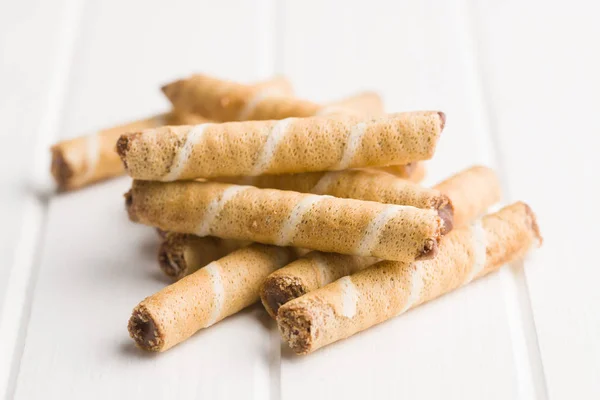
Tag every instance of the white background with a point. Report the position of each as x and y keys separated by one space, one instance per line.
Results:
x=519 y=82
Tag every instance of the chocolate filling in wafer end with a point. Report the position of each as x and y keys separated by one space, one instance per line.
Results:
x=430 y=249
x=122 y=148
x=144 y=331
x=446 y=212
x=278 y=290
x=60 y=169
x=171 y=259
x=297 y=328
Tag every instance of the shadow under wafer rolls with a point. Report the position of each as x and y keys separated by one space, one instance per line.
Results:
x=476 y=189
x=287 y=218
x=291 y=145
x=373 y=295
x=205 y=297
x=182 y=254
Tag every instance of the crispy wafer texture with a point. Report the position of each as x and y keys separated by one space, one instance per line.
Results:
x=373 y=295
x=205 y=297
x=371 y=185
x=287 y=218
x=182 y=254
x=318 y=269
x=87 y=159
x=291 y=145
x=471 y=191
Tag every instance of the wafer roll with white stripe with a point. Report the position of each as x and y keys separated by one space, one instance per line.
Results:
x=472 y=191
x=371 y=185
x=318 y=269
x=222 y=100
x=376 y=294
x=205 y=297
x=286 y=218
x=87 y=159
x=291 y=145
x=182 y=254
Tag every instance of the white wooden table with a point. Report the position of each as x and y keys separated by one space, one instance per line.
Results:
x=519 y=82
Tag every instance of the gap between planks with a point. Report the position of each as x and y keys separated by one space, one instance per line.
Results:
x=526 y=352
x=24 y=271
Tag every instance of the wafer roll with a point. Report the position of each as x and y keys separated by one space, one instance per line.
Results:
x=472 y=191
x=276 y=147
x=87 y=159
x=317 y=269
x=287 y=218
x=205 y=297
x=182 y=254
x=373 y=295
x=371 y=185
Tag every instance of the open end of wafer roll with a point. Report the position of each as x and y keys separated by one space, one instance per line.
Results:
x=122 y=148
x=296 y=326
x=430 y=249
x=171 y=257
x=533 y=223
x=144 y=330
x=445 y=210
x=442 y=119
x=278 y=290
x=60 y=169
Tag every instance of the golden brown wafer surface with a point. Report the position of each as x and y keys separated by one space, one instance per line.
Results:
x=287 y=218
x=317 y=269
x=205 y=297
x=182 y=254
x=373 y=295
x=275 y=147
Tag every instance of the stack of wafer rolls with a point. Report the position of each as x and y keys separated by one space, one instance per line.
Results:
x=387 y=289
x=318 y=269
x=222 y=100
x=205 y=297
x=182 y=254
x=87 y=159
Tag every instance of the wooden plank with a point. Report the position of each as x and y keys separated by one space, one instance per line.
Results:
x=541 y=66
x=96 y=265
x=33 y=70
x=419 y=55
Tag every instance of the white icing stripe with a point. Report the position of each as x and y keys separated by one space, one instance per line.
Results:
x=319 y=264
x=374 y=229
x=215 y=207
x=479 y=250
x=182 y=157
x=416 y=285
x=322 y=185
x=277 y=133
x=288 y=230
x=218 y=292
x=353 y=142
x=349 y=296
x=250 y=106
x=91 y=154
